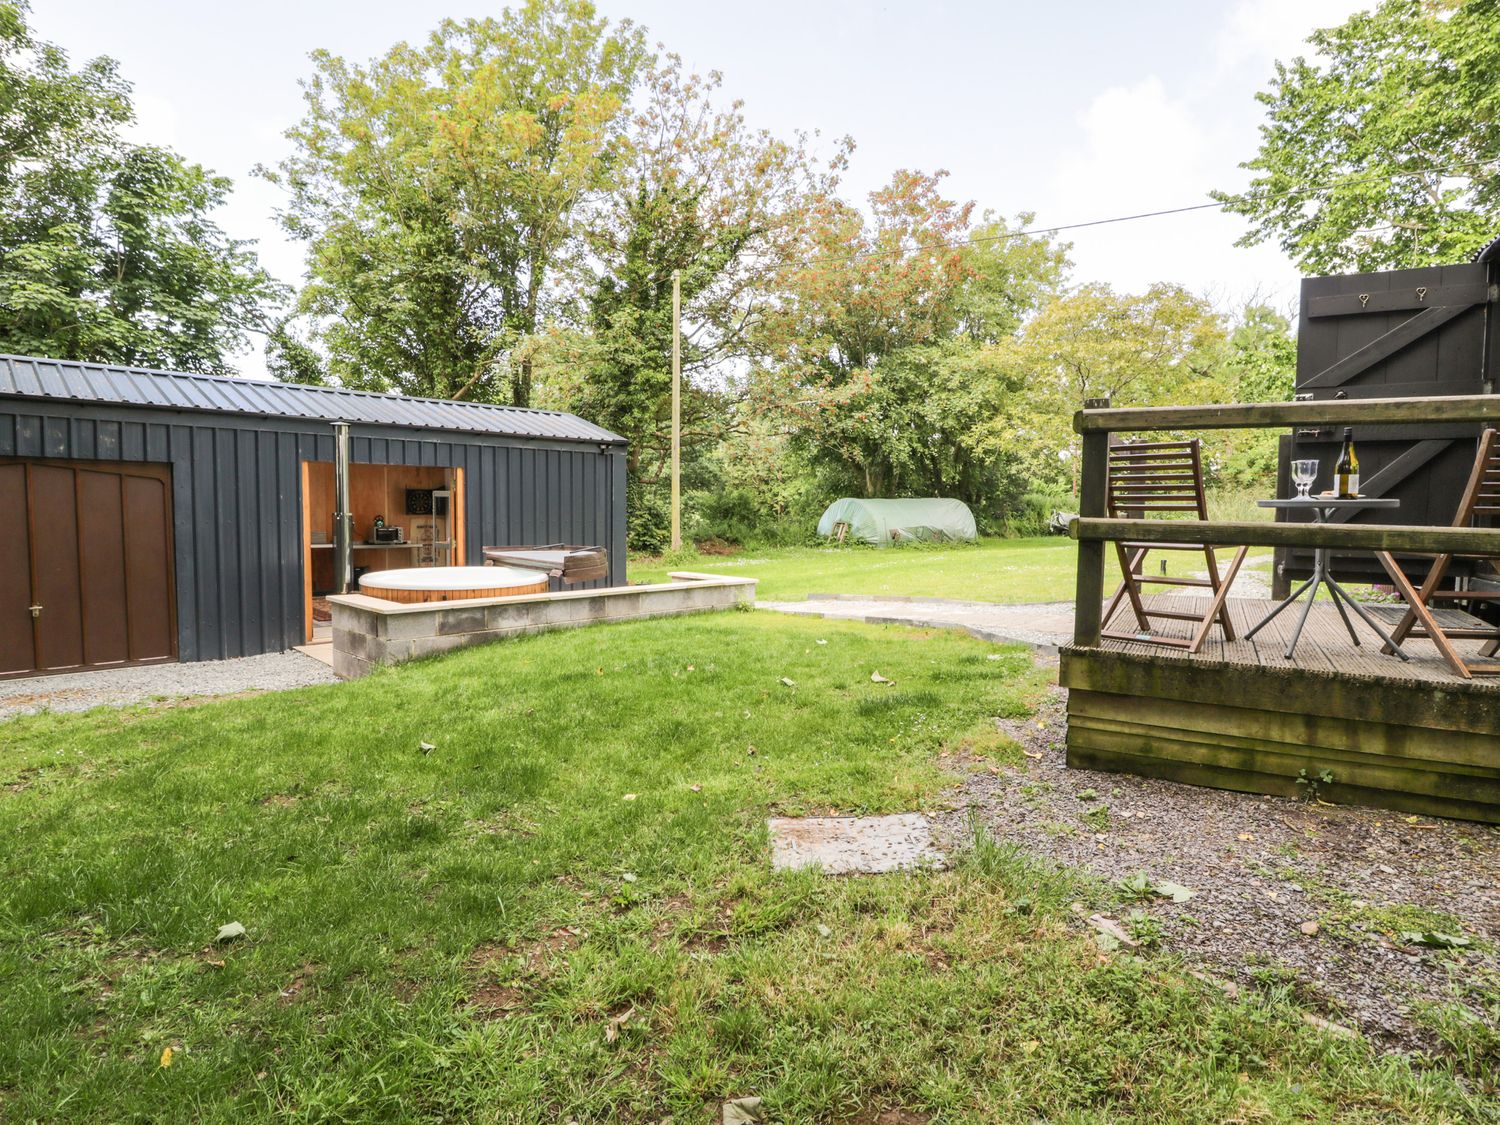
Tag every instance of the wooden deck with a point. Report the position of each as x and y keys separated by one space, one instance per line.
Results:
x=1240 y=715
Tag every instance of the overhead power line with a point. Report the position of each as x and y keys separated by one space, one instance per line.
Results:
x=1033 y=232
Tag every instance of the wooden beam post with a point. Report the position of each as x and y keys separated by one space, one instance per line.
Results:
x=676 y=410
x=1093 y=491
x=1395 y=538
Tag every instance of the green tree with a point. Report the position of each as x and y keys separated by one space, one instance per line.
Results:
x=700 y=192
x=1164 y=346
x=442 y=188
x=1398 y=115
x=1260 y=365
x=882 y=356
x=107 y=249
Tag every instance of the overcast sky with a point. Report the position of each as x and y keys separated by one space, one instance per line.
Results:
x=1076 y=110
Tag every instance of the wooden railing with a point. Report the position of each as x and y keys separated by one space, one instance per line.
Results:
x=1097 y=421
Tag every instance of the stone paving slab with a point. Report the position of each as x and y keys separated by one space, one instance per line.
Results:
x=853 y=845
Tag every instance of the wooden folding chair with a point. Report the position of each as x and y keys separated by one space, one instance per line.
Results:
x=1481 y=500
x=1166 y=478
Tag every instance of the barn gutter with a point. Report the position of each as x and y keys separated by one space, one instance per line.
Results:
x=343 y=545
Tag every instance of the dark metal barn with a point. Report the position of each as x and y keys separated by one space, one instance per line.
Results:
x=1395 y=334
x=155 y=516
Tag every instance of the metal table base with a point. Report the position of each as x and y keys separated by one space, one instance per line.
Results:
x=1340 y=598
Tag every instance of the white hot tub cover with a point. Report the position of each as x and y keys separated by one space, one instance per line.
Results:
x=450 y=578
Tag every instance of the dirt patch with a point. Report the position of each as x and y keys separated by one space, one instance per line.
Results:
x=279 y=801
x=297 y=984
x=494 y=1001
x=1287 y=892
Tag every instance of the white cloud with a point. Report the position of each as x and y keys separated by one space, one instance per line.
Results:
x=1256 y=32
x=1153 y=145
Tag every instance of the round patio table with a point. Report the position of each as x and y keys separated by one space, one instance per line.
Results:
x=1323 y=509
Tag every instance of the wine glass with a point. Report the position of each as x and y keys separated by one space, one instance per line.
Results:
x=1303 y=475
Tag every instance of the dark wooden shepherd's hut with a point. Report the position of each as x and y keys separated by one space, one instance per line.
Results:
x=155 y=516
x=1395 y=334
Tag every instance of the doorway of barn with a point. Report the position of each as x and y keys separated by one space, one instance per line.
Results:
x=401 y=516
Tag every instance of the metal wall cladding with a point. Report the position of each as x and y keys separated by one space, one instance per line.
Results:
x=237 y=510
x=130 y=386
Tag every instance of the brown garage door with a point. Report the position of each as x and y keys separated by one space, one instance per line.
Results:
x=85 y=566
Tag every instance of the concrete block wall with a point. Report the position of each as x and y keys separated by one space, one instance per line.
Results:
x=369 y=632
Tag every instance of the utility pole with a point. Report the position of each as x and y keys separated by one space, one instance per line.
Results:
x=676 y=410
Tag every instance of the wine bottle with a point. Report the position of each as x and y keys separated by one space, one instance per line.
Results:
x=1346 y=472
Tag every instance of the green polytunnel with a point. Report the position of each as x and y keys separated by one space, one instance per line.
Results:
x=883 y=522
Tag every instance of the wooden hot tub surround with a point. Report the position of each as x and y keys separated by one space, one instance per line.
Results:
x=416 y=597
x=419 y=585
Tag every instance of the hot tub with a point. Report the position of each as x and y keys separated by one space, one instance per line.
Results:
x=451 y=583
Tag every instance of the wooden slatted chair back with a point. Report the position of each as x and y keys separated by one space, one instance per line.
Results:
x=1156 y=477
x=1482 y=497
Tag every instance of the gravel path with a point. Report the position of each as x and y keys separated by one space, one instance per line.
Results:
x=1043 y=626
x=1288 y=892
x=118 y=687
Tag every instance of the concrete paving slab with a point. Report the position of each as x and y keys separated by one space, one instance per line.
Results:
x=853 y=845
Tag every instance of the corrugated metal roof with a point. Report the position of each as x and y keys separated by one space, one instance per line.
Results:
x=175 y=390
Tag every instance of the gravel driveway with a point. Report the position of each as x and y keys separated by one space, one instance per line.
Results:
x=118 y=687
x=1298 y=894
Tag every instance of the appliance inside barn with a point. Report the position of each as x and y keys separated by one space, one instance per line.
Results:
x=156 y=516
x=1400 y=333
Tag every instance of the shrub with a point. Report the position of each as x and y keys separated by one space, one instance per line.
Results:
x=648 y=517
x=1032 y=514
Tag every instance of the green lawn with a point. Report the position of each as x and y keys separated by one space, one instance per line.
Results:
x=1012 y=571
x=564 y=909
x=1007 y=571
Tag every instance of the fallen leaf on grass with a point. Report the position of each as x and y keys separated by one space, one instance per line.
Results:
x=628 y=797
x=821 y=641
x=1029 y=1047
x=612 y=1029
x=1109 y=928
x=788 y=681
x=426 y=747
x=695 y=788
x=877 y=678
x=166 y=1057
x=743 y=1111
x=229 y=931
